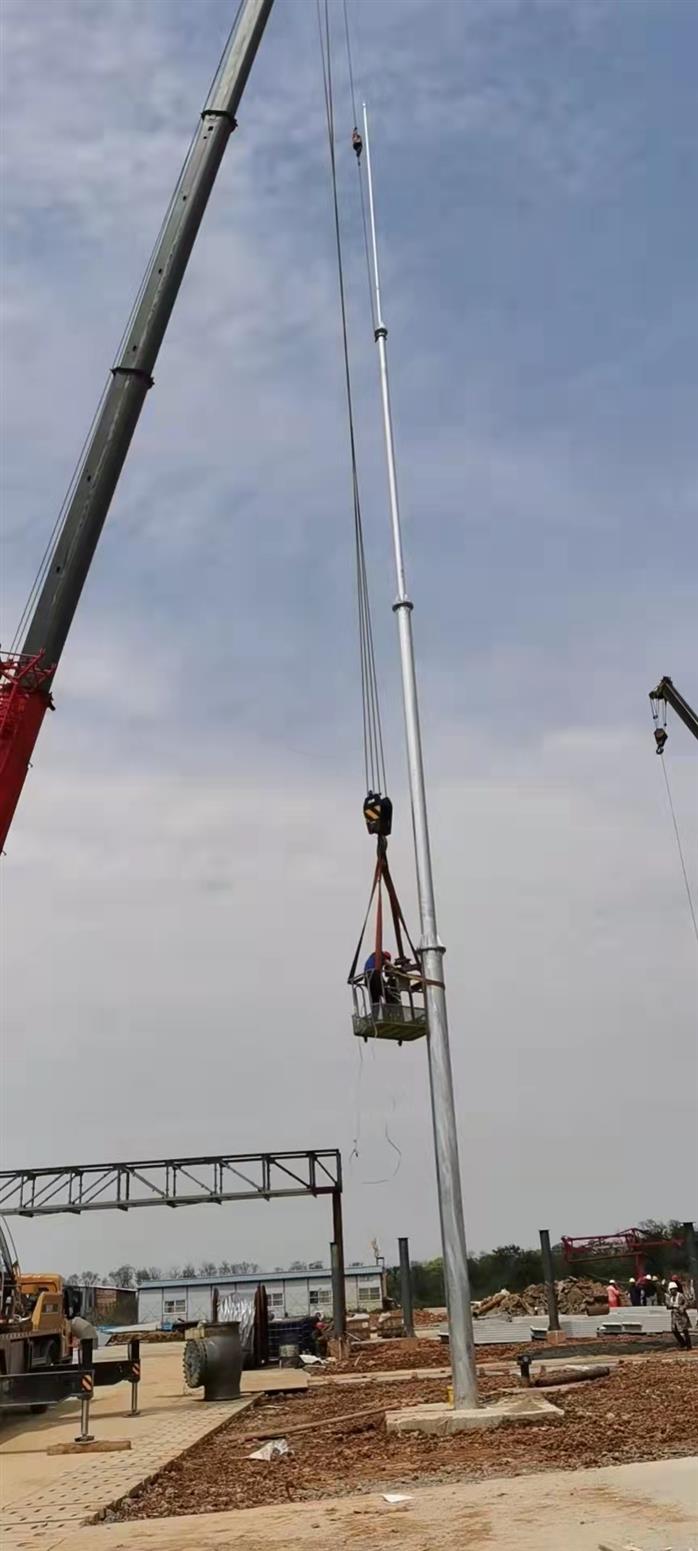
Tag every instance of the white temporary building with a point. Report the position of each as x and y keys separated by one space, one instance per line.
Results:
x=292 y=1293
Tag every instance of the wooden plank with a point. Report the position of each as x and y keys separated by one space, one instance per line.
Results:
x=305 y=1427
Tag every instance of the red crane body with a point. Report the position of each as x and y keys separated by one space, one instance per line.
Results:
x=24 y=701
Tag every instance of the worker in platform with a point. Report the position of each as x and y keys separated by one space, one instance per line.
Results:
x=634 y=1293
x=614 y=1295
x=382 y=985
x=677 y=1302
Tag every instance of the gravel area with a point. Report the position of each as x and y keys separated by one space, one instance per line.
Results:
x=642 y=1411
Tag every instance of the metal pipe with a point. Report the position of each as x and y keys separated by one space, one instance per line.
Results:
x=406 y=1287
x=339 y=1301
x=689 y=1233
x=431 y=949
x=87 y=1388
x=549 y=1279
x=338 y=1241
x=134 y=1352
x=131 y=376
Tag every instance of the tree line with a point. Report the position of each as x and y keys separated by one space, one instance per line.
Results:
x=513 y=1267
x=134 y=1276
x=509 y=1266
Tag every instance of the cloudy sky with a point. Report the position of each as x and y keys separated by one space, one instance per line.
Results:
x=187 y=872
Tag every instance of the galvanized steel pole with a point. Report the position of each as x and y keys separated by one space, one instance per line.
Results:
x=431 y=949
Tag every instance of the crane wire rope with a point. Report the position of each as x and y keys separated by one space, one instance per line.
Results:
x=679 y=847
x=374 y=760
x=374 y=756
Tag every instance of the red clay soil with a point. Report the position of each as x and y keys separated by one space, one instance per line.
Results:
x=642 y=1411
x=422 y=1352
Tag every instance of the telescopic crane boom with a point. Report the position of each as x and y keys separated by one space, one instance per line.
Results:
x=26 y=678
x=669 y=695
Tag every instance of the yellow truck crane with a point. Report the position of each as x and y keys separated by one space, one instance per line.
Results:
x=41 y=1331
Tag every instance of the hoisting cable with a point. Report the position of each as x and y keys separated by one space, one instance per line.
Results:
x=679 y=847
x=358 y=147
x=374 y=758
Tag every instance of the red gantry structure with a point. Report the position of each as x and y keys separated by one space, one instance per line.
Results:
x=628 y=1241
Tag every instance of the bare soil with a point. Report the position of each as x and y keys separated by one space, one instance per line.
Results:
x=642 y=1411
x=400 y=1355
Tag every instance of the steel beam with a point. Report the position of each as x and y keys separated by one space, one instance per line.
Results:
x=123 y=1186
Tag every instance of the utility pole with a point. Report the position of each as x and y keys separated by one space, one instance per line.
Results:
x=460 y=1322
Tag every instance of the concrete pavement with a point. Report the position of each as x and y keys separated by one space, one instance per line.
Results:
x=651 y=1507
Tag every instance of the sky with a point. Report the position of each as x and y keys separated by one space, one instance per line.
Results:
x=188 y=870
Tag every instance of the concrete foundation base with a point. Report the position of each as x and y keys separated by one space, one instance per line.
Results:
x=444 y=1420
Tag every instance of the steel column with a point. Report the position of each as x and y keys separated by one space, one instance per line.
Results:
x=689 y=1234
x=406 y=1287
x=549 y=1279
x=338 y=1240
x=339 y=1298
x=443 y=1106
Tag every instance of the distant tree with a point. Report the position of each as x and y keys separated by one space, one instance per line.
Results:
x=187 y=1272
x=73 y=1280
x=147 y=1274
x=208 y=1268
x=123 y=1276
x=89 y=1278
x=316 y=1265
x=298 y=1265
x=244 y=1268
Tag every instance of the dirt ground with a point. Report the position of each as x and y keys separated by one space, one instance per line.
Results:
x=642 y=1411
x=396 y=1356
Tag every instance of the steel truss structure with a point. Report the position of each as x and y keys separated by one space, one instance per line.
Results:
x=121 y=1187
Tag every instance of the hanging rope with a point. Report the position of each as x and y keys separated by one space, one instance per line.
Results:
x=374 y=758
x=679 y=847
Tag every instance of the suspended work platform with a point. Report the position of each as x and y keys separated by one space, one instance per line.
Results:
x=400 y=1012
x=379 y=1020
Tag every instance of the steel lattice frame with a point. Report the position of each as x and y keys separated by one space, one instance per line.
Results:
x=173 y=1182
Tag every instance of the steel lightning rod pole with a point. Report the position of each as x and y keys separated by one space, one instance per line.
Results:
x=431 y=949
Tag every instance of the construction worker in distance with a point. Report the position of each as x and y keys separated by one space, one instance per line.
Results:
x=677 y=1302
x=613 y=1295
x=357 y=143
x=634 y=1293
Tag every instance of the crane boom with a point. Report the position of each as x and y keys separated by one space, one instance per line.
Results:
x=26 y=678
x=667 y=692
